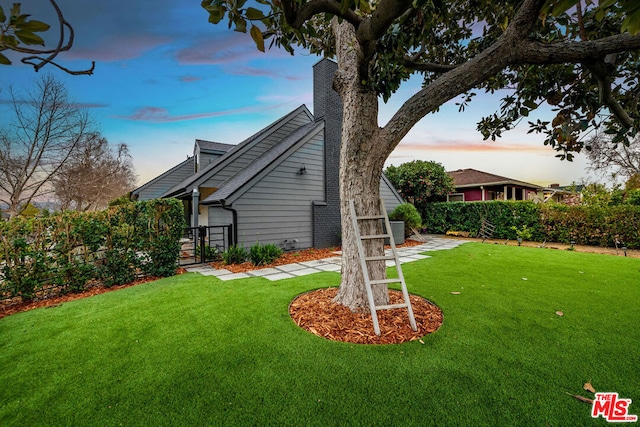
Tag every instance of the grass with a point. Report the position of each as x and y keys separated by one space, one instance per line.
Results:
x=193 y=350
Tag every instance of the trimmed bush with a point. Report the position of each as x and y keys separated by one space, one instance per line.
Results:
x=64 y=252
x=459 y=216
x=588 y=225
x=409 y=214
x=262 y=254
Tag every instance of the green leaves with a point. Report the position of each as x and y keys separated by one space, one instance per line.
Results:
x=254 y=14
x=4 y=60
x=19 y=29
x=257 y=37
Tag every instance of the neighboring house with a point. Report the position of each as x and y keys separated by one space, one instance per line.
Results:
x=474 y=185
x=278 y=186
x=563 y=194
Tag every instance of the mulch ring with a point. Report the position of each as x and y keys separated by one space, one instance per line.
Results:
x=316 y=312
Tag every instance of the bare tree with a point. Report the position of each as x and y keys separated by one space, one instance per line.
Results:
x=18 y=34
x=43 y=133
x=614 y=160
x=94 y=175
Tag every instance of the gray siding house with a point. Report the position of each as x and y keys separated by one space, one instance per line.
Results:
x=278 y=186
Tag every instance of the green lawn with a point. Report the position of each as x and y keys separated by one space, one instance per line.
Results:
x=193 y=350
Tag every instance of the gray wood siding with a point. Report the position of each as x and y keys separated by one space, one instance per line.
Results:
x=206 y=158
x=389 y=196
x=161 y=184
x=257 y=150
x=278 y=206
x=219 y=216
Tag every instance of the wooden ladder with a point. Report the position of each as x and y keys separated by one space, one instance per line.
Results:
x=365 y=270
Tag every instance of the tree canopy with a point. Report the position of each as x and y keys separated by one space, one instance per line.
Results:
x=579 y=57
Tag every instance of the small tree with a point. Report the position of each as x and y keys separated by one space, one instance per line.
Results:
x=94 y=175
x=420 y=182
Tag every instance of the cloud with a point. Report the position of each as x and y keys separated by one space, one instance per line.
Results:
x=118 y=48
x=262 y=72
x=225 y=49
x=471 y=147
x=190 y=79
x=162 y=115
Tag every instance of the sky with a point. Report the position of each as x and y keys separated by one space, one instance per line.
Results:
x=165 y=77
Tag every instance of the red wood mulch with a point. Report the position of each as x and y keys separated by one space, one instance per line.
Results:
x=316 y=312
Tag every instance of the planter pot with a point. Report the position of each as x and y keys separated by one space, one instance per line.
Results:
x=397 y=231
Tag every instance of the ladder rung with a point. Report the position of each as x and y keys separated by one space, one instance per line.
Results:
x=371 y=217
x=390 y=306
x=379 y=258
x=383 y=281
x=375 y=236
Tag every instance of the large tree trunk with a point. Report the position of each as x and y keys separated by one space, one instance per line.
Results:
x=361 y=163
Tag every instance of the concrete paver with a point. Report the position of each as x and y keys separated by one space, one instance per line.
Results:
x=288 y=271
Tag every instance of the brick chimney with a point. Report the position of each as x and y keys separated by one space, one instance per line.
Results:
x=327 y=107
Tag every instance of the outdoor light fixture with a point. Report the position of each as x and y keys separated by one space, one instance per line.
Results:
x=302 y=170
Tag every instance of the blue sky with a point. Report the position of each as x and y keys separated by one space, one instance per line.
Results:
x=164 y=76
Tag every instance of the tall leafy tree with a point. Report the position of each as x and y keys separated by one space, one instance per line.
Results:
x=44 y=130
x=95 y=174
x=579 y=57
x=19 y=33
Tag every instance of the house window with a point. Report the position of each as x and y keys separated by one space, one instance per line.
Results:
x=455 y=197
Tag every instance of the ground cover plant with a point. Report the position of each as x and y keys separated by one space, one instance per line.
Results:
x=193 y=350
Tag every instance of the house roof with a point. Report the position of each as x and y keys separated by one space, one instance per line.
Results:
x=264 y=163
x=159 y=177
x=213 y=147
x=237 y=150
x=472 y=178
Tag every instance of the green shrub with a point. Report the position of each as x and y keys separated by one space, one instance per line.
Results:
x=262 y=254
x=596 y=225
x=235 y=255
x=210 y=252
x=439 y=218
x=409 y=214
x=66 y=251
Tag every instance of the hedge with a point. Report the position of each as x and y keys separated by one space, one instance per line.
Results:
x=589 y=225
x=69 y=251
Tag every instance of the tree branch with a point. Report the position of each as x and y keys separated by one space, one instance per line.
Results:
x=297 y=16
x=535 y=52
x=601 y=71
x=464 y=77
x=371 y=29
x=38 y=62
x=412 y=64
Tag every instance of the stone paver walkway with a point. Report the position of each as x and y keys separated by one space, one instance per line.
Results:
x=288 y=271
